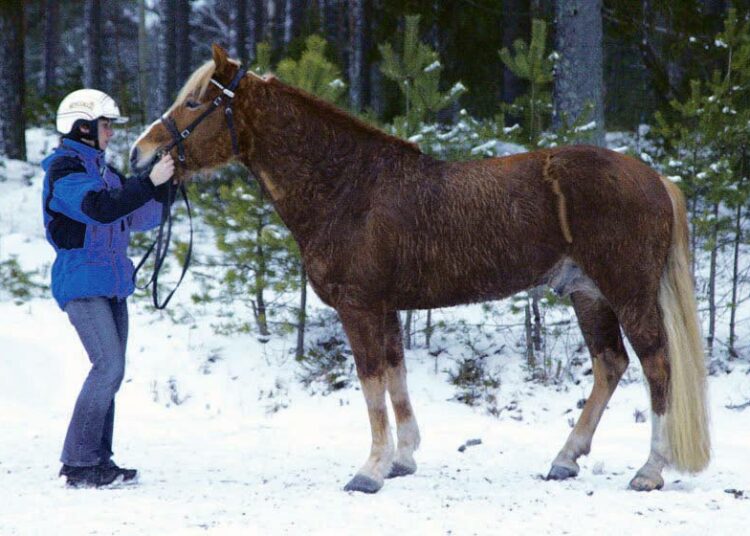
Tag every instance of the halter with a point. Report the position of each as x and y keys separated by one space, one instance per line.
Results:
x=179 y=136
x=163 y=238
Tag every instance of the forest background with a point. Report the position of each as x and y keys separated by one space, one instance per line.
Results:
x=666 y=81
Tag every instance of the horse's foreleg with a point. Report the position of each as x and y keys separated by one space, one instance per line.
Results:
x=601 y=331
x=408 y=431
x=368 y=339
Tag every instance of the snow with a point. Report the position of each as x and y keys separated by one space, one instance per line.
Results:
x=483 y=148
x=432 y=67
x=227 y=441
x=457 y=89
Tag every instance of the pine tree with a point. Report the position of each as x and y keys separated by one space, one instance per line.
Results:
x=531 y=62
x=259 y=260
x=417 y=72
x=313 y=72
x=262 y=63
x=706 y=142
x=257 y=255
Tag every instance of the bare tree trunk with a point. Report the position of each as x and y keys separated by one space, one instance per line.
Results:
x=302 y=317
x=143 y=61
x=357 y=47
x=579 y=79
x=341 y=34
x=13 y=88
x=260 y=276
x=376 y=100
x=329 y=10
x=92 y=67
x=259 y=306
x=693 y=233
x=536 y=294
x=736 y=263
x=274 y=11
x=693 y=204
x=712 y=282
x=120 y=83
x=257 y=28
x=428 y=330
x=168 y=59
x=51 y=10
x=530 y=358
x=240 y=29
x=407 y=329
x=261 y=320
x=293 y=12
x=182 y=42
x=735 y=282
x=516 y=25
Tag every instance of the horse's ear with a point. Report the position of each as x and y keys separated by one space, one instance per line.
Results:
x=220 y=57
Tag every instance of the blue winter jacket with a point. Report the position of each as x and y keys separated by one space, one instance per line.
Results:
x=89 y=211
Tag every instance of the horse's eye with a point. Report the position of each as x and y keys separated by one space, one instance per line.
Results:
x=192 y=104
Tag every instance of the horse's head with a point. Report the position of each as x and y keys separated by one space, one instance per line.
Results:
x=209 y=142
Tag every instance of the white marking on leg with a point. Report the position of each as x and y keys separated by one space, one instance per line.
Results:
x=649 y=476
x=406 y=424
x=378 y=465
x=659 y=456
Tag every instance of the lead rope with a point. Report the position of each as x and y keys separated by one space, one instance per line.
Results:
x=163 y=241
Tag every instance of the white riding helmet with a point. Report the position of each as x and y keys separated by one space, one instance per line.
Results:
x=87 y=104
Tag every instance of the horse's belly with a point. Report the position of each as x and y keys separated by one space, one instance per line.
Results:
x=475 y=284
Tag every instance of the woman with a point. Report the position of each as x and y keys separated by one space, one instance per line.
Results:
x=89 y=211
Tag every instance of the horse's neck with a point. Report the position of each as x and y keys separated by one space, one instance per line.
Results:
x=314 y=166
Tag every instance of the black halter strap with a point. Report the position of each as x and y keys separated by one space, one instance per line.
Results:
x=163 y=238
x=178 y=136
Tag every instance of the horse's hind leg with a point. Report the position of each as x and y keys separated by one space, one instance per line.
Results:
x=643 y=327
x=407 y=429
x=369 y=338
x=601 y=332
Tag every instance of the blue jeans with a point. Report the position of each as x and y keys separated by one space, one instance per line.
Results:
x=102 y=325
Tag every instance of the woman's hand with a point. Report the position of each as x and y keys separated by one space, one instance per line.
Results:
x=162 y=170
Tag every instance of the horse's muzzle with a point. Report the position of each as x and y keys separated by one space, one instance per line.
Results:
x=140 y=169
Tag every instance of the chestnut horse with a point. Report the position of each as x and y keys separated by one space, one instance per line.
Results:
x=383 y=227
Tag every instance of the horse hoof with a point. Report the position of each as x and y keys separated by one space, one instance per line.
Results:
x=362 y=483
x=558 y=472
x=399 y=469
x=644 y=483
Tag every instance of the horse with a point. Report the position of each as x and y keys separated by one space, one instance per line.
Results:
x=383 y=227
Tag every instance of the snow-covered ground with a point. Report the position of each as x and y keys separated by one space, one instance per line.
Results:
x=227 y=441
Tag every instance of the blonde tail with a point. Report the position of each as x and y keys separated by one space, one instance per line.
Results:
x=687 y=411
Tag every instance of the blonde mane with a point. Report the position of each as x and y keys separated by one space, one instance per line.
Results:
x=197 y=85
x=198 y=82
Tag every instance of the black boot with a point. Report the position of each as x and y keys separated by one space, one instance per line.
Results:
x=127 y=474
x=94 y=476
